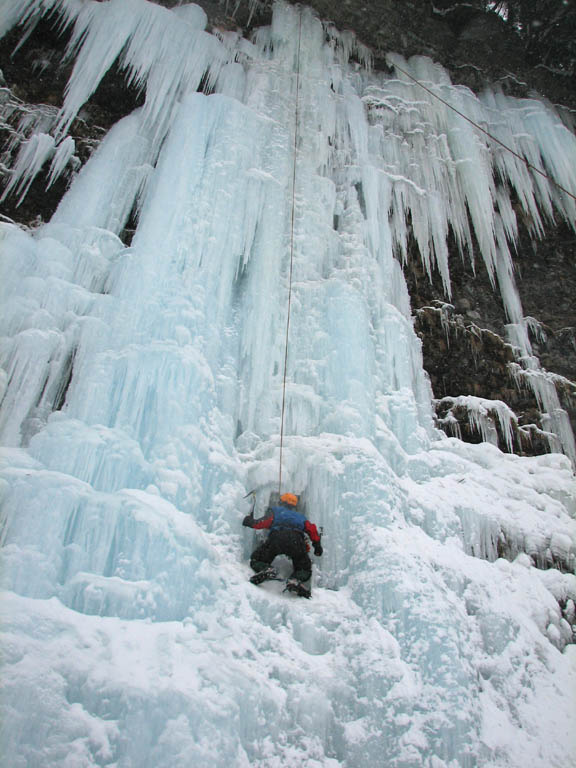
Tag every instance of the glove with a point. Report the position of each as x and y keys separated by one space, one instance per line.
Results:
x=248 y=520
x=318 y=549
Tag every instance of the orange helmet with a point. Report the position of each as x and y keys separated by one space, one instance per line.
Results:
x=290 y=499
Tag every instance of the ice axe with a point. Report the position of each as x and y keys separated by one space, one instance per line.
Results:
x=253 y=494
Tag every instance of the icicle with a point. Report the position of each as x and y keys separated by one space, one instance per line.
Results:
x=108 y=198
x=536 y=329
x=33 y=154
x=482 y=414
x=543 y=384
x=30 y=11
x=64 y=152
x=162 y=55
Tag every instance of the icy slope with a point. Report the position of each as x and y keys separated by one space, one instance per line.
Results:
x=414 y=652
x=142 y=399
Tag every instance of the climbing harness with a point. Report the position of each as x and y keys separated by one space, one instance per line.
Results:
x=294 y=167
x=487 y=133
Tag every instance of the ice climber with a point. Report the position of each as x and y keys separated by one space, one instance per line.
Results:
x=288 y=529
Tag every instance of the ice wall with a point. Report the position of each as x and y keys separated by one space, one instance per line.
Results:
x=142 y=400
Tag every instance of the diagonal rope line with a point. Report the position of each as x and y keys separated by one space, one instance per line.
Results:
x=292 y=217
x=501 y=143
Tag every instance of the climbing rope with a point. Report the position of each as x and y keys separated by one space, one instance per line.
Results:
x=487 y=133
x=293 y=207
x=294 y=166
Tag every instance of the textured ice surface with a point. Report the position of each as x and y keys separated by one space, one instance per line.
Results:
x=484 y=415
x=142 y=393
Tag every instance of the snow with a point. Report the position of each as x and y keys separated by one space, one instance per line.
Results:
x=143 y=390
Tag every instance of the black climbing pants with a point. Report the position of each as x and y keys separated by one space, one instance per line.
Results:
x=284 y=542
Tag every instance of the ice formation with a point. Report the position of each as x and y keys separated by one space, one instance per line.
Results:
x=484 y=417
x=141 y=400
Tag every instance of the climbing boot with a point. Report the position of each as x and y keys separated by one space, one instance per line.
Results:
x=266 y=575
x=295 y=586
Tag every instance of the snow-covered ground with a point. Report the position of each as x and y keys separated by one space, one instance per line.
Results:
x=419 y=646
x=142 y=400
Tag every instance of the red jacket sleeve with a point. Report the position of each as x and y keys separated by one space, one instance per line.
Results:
x=264 y=522
x=312 y=531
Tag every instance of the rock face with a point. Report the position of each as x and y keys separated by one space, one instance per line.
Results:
x=465 y=351
x=463 y=337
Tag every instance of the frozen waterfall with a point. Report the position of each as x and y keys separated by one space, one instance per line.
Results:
x=142 y=391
